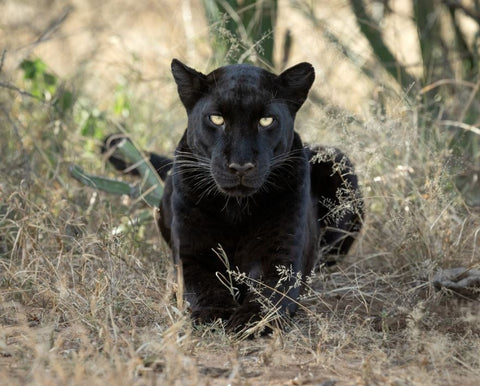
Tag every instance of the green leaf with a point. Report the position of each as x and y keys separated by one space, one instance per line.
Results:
x=49 y=79
x=101 y=183
x=33 y=68
x=64 y=102
x=88 y=128
x=29 y=69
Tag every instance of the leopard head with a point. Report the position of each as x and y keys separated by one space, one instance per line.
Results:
x=241 y=121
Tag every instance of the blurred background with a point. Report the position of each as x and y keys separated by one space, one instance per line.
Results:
x=370 y=57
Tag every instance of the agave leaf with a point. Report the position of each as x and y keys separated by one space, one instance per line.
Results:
x=151 y=183
x=101 y=183
x=150 y=189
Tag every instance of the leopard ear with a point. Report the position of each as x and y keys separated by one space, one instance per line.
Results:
x=191 y=84
x=296 y=82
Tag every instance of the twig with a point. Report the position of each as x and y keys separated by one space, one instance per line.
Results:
x=456 y=4
x=2 y=59
x=461 y=125
x=16 y=132
x=51 y=28
x=54 y=24
x=20 y=91
x=470 y=101
x=441 y=82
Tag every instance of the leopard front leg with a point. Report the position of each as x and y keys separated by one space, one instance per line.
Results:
x=273 y=305
x=273 y=282
x=208 y=297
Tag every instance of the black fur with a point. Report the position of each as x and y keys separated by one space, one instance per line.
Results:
x=161 y=164
x=255 y=191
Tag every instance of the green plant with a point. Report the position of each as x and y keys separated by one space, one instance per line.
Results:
x=45 y=86
x=243 y=31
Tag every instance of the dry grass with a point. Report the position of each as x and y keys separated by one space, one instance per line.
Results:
x=83 y=304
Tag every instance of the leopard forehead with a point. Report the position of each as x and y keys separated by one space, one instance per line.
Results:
x=242 y=84
x=239 y=73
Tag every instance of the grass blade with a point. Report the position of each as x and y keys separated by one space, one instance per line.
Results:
x=371 y=31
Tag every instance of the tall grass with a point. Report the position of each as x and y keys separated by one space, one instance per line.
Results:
x=448 y=58
x=83 y=303
x=242 y=31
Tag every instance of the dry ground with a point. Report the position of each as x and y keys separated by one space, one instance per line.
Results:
x=84 y=303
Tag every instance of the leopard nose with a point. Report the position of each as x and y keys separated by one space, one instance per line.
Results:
x=241 y=170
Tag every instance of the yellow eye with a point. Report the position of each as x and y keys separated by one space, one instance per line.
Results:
x=217 y=120
x=265 y=121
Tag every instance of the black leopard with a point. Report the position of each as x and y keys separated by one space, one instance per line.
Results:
x=243 y=184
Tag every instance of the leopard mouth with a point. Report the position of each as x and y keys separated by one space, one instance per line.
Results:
x=238 y=186
x=238 y=190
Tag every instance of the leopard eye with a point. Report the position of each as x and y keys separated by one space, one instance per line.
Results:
x=217 y=120
x=265 y=121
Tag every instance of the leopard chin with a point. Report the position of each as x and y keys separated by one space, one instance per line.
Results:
x=238 y=190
